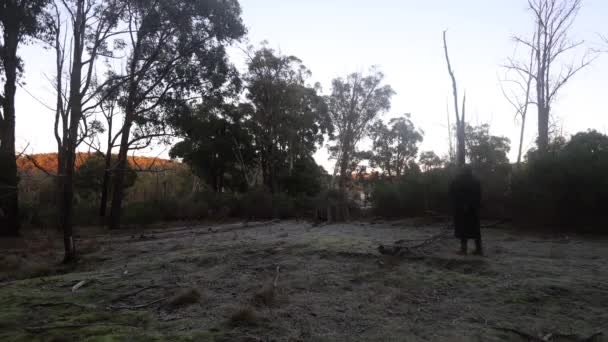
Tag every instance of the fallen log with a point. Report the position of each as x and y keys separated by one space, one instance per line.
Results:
x=398 y=249
x=127 y=295
x=141 y=306
x=550 y=337
x=73 y=326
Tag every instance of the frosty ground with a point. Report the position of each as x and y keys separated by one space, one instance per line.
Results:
x=294 y=281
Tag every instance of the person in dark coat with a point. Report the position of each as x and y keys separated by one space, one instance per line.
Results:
x=465 y=197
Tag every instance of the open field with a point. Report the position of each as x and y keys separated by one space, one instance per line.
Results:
x=291 y=281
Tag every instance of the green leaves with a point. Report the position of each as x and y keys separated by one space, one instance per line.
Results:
x=354 y=103
x=484 y=149
x=395 y=145
x=289 y=117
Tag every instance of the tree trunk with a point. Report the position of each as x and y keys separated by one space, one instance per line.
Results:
x=105 y=184
x=121 y=165
x=460 y=120
x=342 y=213
x=66 y=204
x=460 y=148
x=521 y=135
x=543 y=129
x=9 y=197
x=67 y=196
x=119 y=175
x=272 y=170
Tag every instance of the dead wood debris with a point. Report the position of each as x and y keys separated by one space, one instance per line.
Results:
x=399 y=250
x=134 y=293
x=62 y=304
x=73 y=326
x=550 y=337
x=141 y=306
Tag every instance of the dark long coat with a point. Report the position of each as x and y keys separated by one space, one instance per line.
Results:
x=465 y=197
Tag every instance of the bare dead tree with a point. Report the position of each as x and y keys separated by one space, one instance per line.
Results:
x=550 y=44
x=450 y=138
x=92 y=24
x=519 y=94
x=460 y=115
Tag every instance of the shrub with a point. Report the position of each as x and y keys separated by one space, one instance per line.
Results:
x=283 y=206
x=244 y=315
x=257 y=204
x=220 y=205
x=386 y=200
x=185 y=298
x=567 y=186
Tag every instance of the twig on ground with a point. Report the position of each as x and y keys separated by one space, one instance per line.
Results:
x=521 y=334
x=592 y=337
x=396 y=249
x=134 y=293
x=549 y=337
x=79 y=285
x=276 y=278
x=73 y=326
x=141 y=306
x=495 y=224
x=259 y=224
x=62 y=303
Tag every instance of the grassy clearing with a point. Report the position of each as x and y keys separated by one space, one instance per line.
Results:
x=182 y=285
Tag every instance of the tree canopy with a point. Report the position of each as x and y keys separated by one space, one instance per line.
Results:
x=395 y=145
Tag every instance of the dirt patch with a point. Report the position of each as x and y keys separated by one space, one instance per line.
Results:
x=220 y=283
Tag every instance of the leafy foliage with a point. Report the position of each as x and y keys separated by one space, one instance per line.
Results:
x=177 y=53
x=429 y=160
x=89 y=176
x=394 y=146
x=218 y=145
x=289 y=117
x=485 y=150
x=353 y=104
x=566 y=185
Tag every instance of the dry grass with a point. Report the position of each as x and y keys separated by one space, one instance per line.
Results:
x=10 y=263
x=88 y=246
x=332 y=286
x=16 y=267
x=265 y=296
x=185 y=298
x=244 y=315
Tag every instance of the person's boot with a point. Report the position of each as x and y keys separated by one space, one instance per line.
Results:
x=463 y=247
x=478 y=248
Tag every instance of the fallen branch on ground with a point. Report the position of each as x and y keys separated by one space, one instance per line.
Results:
x=399 y=250
x=495 y=224
x=521 y=334
x=62 y=303
x=79 y=285
x=260 y=224
x=550 y=337
x=592 y=337
x=127 y=295
x=73 y=326
x=276 y=278
x=141 y=306
x=235 y=227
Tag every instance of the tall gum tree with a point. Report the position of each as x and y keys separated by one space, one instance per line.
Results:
x=177 y=56
x=20 y=20
x=354 y=102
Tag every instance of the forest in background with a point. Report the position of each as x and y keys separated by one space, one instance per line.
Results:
x=130 y=74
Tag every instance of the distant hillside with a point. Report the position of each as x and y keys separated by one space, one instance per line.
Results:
x=48 y=161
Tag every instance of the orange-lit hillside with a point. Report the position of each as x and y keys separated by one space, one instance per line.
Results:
x=48 y=161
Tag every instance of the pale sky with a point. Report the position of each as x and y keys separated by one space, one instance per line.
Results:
x=402 y=37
